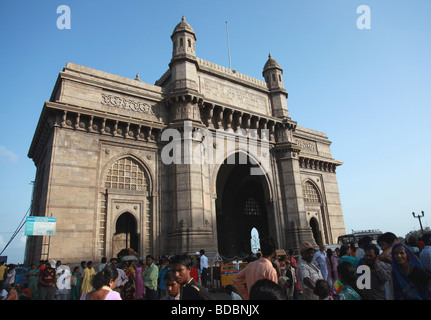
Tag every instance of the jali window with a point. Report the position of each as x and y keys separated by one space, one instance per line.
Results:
x=310 y=193
x=126 y=174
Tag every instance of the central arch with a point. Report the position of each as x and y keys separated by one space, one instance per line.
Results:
x=241 y=205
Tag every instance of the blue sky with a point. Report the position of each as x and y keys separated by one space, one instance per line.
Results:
x=368 y=90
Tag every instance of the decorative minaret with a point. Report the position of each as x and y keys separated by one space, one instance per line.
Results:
x=272 y=72
x=191 y=200
x=183 y=64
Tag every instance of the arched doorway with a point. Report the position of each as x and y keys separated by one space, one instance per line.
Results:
x=314 y=224
x=125 y=234
x=314 y=206
x=126 y=207
x=241 y=205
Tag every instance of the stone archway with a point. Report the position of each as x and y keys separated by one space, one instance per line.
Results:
x=317 y=235
x=127 y=189
x=241 y=205
x=125 y=235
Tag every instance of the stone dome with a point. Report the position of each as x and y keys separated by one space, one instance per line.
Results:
x=271 y=64
x=183 y=26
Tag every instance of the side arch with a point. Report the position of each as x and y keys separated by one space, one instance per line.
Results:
x=126 y=185
x=316 y=211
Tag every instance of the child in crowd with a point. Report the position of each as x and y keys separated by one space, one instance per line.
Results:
x=322 y=290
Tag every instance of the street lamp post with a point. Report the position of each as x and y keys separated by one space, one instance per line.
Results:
x=419 y=216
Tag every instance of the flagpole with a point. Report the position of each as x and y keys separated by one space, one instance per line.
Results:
x=228 y=49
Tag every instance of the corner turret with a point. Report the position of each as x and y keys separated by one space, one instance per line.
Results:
x=184 y=64
x=272 y=72
x=183 y=39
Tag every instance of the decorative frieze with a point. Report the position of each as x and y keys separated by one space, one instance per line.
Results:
x=128 y=104
x=307 y=146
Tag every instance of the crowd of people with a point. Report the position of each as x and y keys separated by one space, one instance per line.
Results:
x=399 y=271
x=116 y=279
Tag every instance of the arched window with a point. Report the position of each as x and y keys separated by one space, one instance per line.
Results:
x=254 y=240
x=310 y=193
x=126 y=174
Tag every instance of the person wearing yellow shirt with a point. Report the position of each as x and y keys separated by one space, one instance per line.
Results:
x=2 y=271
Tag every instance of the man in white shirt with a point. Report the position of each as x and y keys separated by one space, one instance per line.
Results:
x=308 y=272
x=319 y=260
x=122 y=277
x=204 y=268
x=63 y=282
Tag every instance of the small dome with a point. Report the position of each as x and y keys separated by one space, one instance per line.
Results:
x=183 y=26
x=271 y=64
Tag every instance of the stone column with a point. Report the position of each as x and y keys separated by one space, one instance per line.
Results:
x=192 y=205
x=297 y=229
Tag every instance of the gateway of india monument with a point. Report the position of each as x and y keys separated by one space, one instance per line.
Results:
x=196 y=161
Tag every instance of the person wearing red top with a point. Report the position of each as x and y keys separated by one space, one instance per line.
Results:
x=47 y=282
x=292 y=260
x=25 y=293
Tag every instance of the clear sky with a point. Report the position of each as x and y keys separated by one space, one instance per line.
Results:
x=367 y=89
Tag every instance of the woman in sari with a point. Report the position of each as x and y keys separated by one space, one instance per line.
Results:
x=104 y=283
x=32 y=278
x=410 y=280
x=332 y=264
x=87 y=278
x=139 y=281
x=75 y=283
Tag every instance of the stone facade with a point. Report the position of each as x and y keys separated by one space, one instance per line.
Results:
x=100 y=149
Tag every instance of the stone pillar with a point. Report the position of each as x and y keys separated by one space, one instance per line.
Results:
x=192 y=208
x=297 y=229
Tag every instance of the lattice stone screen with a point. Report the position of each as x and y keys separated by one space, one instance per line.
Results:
x=310 y=193
x=126 y=174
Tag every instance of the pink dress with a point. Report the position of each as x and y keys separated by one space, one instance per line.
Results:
x=140 y=288
x=112 y=295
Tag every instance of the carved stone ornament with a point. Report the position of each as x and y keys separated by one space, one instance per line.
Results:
x=127 y=104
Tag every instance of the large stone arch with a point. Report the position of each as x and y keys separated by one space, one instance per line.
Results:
x=243 y=202
x=268 y=181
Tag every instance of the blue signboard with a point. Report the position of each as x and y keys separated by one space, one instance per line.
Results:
x=40 y=226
